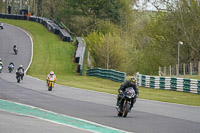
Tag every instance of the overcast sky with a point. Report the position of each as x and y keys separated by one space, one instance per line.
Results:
x=142 y=5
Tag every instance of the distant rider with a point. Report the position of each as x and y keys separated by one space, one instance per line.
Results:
x=129 y=83
x=20 y=69
x=15 y=49
x=11 y=65
x=1 y=62
x=51 y=75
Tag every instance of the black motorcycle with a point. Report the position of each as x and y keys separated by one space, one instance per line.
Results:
x=10 y=68
x=19 y=75
x=127 y=97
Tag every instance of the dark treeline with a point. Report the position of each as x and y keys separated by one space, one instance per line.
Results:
x=124 y=39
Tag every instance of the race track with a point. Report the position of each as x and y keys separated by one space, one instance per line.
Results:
x=146 y=117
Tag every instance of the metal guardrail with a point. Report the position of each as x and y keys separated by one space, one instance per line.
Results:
x=50 y=24
x=169 y=83
x=80 y=52
x=107 y=74
x=59 y=30
x=53 y=27
x=13 y=16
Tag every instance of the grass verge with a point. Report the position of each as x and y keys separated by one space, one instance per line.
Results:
x=50 y=53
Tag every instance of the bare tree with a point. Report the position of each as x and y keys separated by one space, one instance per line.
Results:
x=39 y=7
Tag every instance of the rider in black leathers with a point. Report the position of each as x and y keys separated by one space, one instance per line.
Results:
x=1 y=63
x=129 y=83
x=14 y=47
x=11 y=65
x=20 y=67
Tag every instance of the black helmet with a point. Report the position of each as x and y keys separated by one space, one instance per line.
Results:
x=132 y=79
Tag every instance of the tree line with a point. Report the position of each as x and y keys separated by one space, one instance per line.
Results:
x=121 y=38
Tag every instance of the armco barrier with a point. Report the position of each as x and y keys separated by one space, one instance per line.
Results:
x=80 y=52
x=107 y=74
x=48 y=23
x=58 y=30
x=169 y=83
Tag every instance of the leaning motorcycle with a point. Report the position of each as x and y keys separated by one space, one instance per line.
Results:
x=15 y=50
x=1 y=67
x=51 y=83
x=19 y=75
x=127 y=97
x=10 y=68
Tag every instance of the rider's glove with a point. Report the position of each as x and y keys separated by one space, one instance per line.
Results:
x=120 y=91
x=137 y=95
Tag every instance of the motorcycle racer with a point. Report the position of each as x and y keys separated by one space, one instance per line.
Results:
x=1 y=65
x=15 y=49
x=129 y=83
x=11 y=66
x=50 y=75
x=20 y=69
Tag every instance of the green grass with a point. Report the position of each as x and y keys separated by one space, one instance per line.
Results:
x=50 y=53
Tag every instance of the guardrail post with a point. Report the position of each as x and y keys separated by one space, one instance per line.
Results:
x=199 y=68
x=159 y=71
x=165 y=70
x=190 y=68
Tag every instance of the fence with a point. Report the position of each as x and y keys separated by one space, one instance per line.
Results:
x=184 y=69
x=80 y=52
x=48 y=23
x=169 y=83
x=107 y=74
x=58 y=30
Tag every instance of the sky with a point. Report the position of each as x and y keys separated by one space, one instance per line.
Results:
x=141 y=5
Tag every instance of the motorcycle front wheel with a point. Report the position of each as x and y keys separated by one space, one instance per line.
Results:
x=50 y=87
x=119 y=113
x=126 y=109
x=18 y=80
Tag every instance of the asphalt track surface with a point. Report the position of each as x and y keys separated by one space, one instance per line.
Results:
x=146 y=117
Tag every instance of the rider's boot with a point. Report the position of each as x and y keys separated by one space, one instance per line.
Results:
x=118 y=102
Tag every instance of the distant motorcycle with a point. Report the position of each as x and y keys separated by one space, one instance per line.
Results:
x=19 y=75
x=1 y=25
x=127 y=98
x=1 y=67
x=51 y=83
x=15 y=50
x=10 y=68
